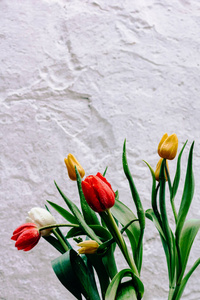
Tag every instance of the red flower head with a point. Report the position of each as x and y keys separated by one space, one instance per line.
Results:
x=98 y=192
x=26 y=236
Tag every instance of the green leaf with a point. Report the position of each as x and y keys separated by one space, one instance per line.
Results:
x=89 y=215
x=109 y=261
x=106 y=245
x=151 y=216
x=154 y=195
x=188 y=234
x=89 y=288
x=55 y=243
x=139 y=207
x=99 y=231
x=101 y=271
x=104 y=173
x=64 y=271
x=187 y=194
x=178 y=173
x=126 y=291
x=76 y=212
x=74 y=275
x=134 y=192
x=64 y=213
x=185 y=280
x=124 y=215
x=115 y=283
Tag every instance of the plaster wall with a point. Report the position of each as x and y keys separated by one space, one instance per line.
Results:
x=79 y=77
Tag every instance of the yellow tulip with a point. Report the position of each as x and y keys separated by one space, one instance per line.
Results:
x=157 y=171
x=88 y=247
x=71 y=162
x=168 y=146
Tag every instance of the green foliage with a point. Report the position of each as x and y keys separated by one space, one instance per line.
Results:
x=140 y=211
x=80 y=219
x=178 y=172
x=77 y=272
x=75 y=276
x=126 y=291
x=137 y=286
x=124 y=215
x=188 y=234
x=100 y=231
x=176 y=245
x=187 y=196
x=64 y=213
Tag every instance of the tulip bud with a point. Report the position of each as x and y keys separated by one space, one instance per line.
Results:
x=26 y=236
x=71 y=162
x=98 y=192
x=168 y=146
x=41 y=217
x=157 y=171
x=88 y=247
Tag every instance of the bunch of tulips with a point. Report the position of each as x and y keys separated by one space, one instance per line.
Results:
x=104 y=222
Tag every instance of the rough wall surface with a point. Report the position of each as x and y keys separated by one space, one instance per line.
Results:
x=79 y=76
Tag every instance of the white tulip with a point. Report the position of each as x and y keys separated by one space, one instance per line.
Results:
x=41 y=217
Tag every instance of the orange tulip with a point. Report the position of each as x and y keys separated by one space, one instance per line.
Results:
x=168 y=146
x=71 y=162
x=157 y=171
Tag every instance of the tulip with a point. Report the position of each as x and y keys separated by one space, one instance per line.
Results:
x=41 y=217
x=71 y=162
x=168 y=146
x=157 y=171
x=98 y=192
x=88 y=247
x=26 y=236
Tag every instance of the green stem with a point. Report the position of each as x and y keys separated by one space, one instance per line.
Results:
x=166 y=228
x=155 y=206
x=57 y=225
x=171 y=292
x=120 y=241
x=171 y=194
x=174 y=209
x=60 y=240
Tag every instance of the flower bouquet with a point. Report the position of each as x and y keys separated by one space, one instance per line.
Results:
x=105 y=223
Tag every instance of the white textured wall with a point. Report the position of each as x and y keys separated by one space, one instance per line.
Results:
x=79 y=76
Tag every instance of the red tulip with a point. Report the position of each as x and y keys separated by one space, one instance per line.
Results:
x=26 y=236
x=98 y=192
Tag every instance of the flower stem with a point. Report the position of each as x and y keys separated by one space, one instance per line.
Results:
x=120 y=241
x=171 y=194
x=60 y=240
x=171 y=292
x=57 y=225
x=54 y=231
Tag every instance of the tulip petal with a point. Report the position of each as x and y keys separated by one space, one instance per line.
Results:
x=104 y=193
x=104 y=180
x=18 y=231
x=27 y=238
x=98 y=192
x=90 y=196
x=31 y=246
x=71 y=162
x=41 y=217
x=165 y=136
